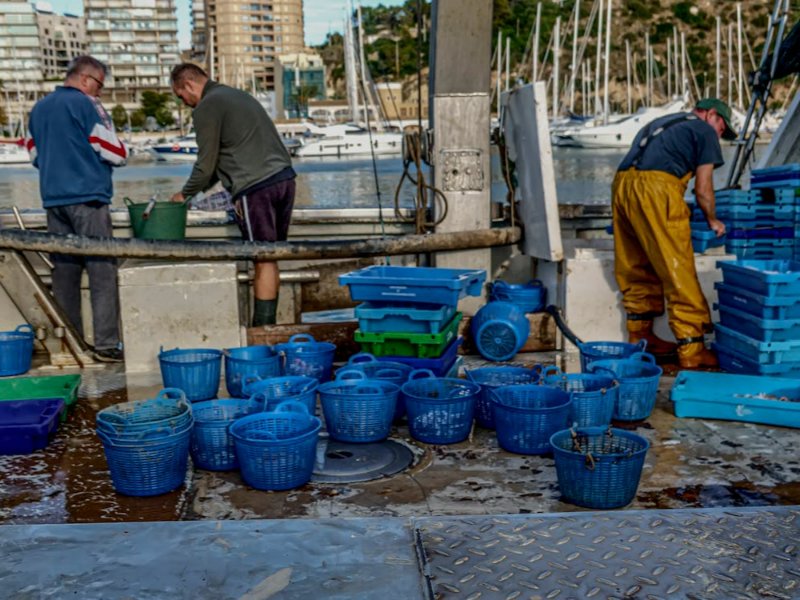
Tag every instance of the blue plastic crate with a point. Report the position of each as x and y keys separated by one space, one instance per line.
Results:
x=773 y=177
x=730 y=197
x=756 y=212
x=421 y=285
x=783 y=232
x=733 y=362
x=702 y=240
x=764 y=307
x=439 y=366
x=755 y=249
x=384 y=317
x=26 y=425
x=766 y=277
x=767 y=400
x=756 y=350
x=764 y=330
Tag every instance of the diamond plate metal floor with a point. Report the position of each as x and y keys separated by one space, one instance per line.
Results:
x=725 y=554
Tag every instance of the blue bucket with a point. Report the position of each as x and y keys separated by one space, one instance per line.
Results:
x=530 y=297
x=16 y=350
x=525 y=416
x=592 y=351
x=212 y=448
x=499 y=330
x=599 y=467
x=357 y=409
x=271 y=392
x=166 y=414
x=490 y=378
x=385 y=370
x=638 y=378
x=277 y=450
x=196 y=371
x=594 y=397
x=440 y=409
x=249 y=362
x=306 y=356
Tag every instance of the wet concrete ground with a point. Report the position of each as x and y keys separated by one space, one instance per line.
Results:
x=692 y=463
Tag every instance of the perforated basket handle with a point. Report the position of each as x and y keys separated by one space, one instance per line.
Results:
x=388 y=373
x=24 y=328
x=643 y=357
x=642 y=344
x=170 y=393
x=302 y=338
x=362 y=357
x=421 y=374
x=551 y=370
x=255 y=398
x=309 y=385
x=291 y=406
x=367 y=387
x=105 y=438
x=345 y=374
x=468 y=373
x=597 y=369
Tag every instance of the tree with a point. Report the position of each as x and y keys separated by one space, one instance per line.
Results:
x=120 y=116
x=301 y=96
x=137 y=118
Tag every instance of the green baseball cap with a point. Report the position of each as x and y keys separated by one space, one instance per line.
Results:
x=724 y=111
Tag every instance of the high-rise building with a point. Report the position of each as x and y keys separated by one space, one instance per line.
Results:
x=245 y=39
x=20 y=55
x=199 y=32
x=138 y=40
x=302 y=77
x=62 y=38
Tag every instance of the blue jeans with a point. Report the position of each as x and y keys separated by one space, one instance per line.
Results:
x=94 y=220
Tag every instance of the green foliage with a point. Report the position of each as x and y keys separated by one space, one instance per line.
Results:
x=120 y=116
x=639 y=9
x=152 y=102
x=691 y=15
x=137 y=118
x=164 y=117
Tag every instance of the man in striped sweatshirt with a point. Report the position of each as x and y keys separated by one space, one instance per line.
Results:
x=73 y=144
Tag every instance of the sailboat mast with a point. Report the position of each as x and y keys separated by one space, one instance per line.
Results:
x=350 y=65
x=556 y=57
x=597 y=106
x=628 y=73
x=740 y=78
x=647 y=95
x=608 y=55
x=499 y=68
x=669 y=69
x=508 y=63
x=536 y=34
x=730 y=63
x=573 y=65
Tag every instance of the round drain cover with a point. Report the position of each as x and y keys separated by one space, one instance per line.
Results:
x=339 y=462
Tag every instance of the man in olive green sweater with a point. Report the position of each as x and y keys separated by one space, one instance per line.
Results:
x=239 y=146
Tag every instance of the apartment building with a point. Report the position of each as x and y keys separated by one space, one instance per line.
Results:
x=138 y=40
x=197 y=54
x=245 y=38
x=20 y=55
x=302 y=78
x=62 y=38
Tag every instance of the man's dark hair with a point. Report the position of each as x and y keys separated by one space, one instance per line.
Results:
x=81 y=64
x=187 y=72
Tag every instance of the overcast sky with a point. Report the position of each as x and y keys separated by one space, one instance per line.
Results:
x=321 y=16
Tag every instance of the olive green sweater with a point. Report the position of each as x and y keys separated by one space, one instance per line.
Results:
x=238 y=143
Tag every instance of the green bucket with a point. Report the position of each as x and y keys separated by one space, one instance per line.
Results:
x=165 y=221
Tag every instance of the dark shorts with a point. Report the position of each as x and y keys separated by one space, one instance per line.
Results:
x=264 y=215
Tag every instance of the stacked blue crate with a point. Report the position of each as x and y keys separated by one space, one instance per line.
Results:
x=759 y=309
x=780 y=186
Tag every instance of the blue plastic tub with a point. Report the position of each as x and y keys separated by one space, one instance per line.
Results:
x=767 y=400
x=745 y=231
x=592 y=351
x=277 y=450
x=733 y=362
x=26 y=426
x=731 y=197
x=638 y=377
x=763 y=330
x=306 y=356
x=499 y=329
x=385 y=370
x=757 y=351
x=357 y=409
x=525 y=416
x=422 y=285
x=767 y=213
x=275 y=390
x=147 y=467
x=774 y=177
x=765 y=307
x=249 y=363
x=702 y=240
x=755 y=249
x=440 y=410
x=196 y=371
x=440 y=367
x=593 y=396
x=385 y=317
x=16 y=350
x=530 y=297
x=599 y=467
x=766 y=277
x=212 y=447
x=490 y=378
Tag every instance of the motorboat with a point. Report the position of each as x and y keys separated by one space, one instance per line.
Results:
x=352 y=142
x=182 y=149
x=13 y=154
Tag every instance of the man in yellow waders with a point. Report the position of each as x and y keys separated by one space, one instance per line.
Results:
x=652 y=234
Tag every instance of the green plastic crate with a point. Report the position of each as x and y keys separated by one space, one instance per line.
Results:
x=418 y=345
x=37 y=388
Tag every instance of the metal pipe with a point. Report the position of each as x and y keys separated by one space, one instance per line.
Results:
x=15 y=239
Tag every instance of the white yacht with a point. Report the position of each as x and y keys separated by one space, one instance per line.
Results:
x=183 y=149
x=352 y=142
x=13 y=154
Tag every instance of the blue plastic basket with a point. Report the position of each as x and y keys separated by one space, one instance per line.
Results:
x=387 y=317
x=424 y=285
x=592 y=351
x=593 y=396
x=212 y=448
x=163 y=415
x=638 y=378
x=385 y=370
x=275 y=390
x=357 y=409
x=527 y=415
x=196 y=371
x=306 y=356
x=530 y=297
x=440 y=410
x=277 y=450
x=147 y=467
x=490 y=378
x=16 y=350
x=599 y=467
x=26 y=425
x=500 y=330
x=249 y=362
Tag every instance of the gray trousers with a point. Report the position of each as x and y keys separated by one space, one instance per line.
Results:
x=93 y=220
